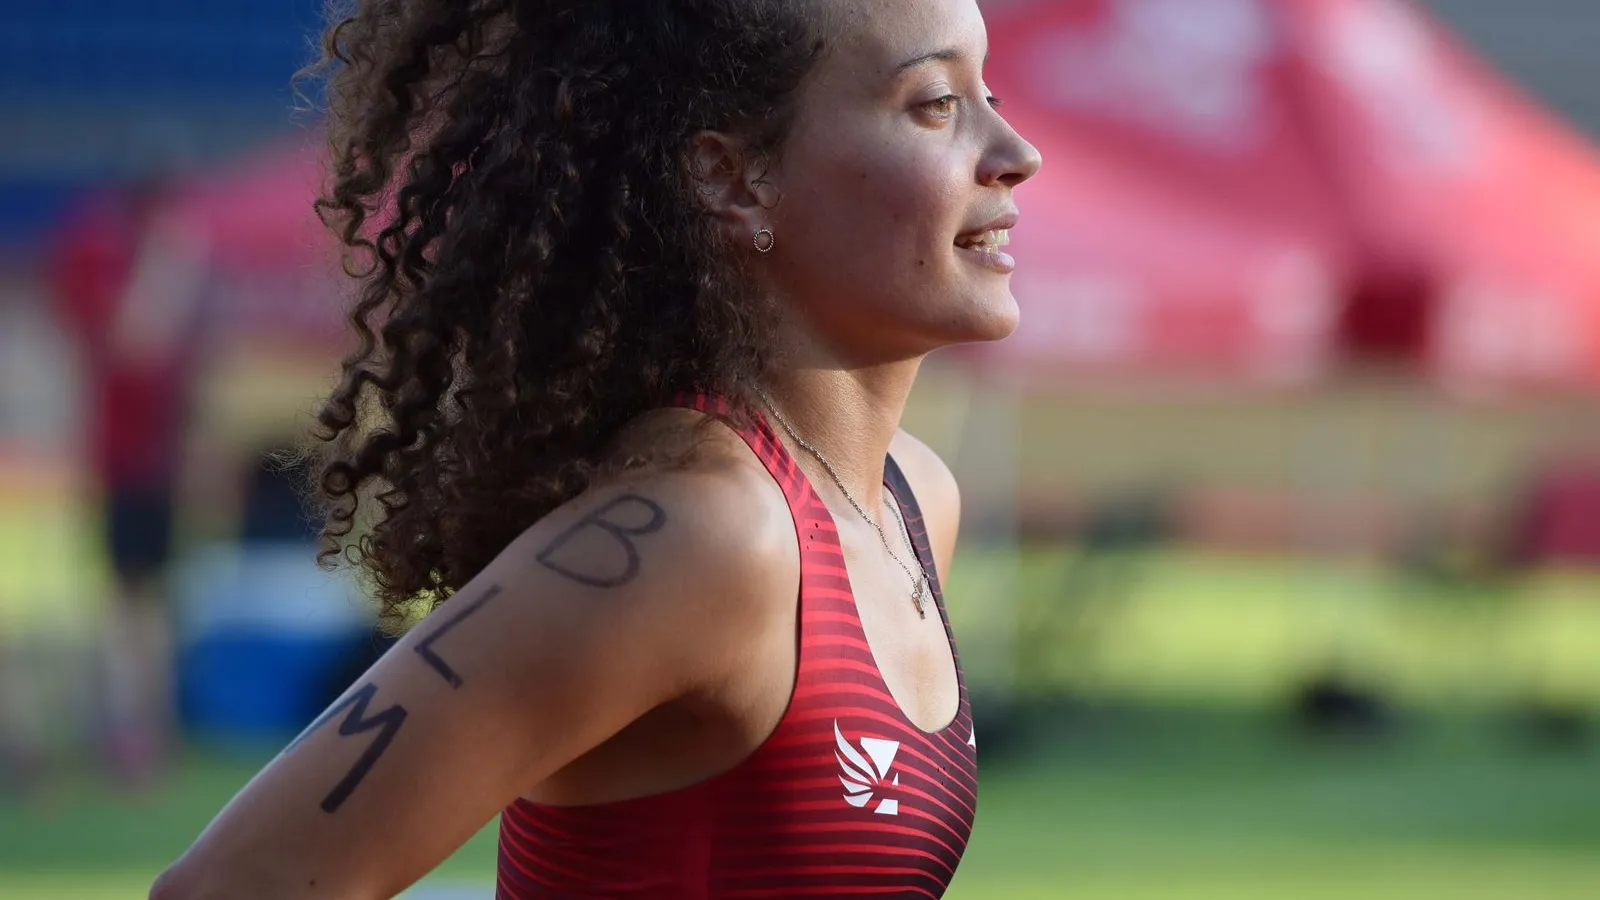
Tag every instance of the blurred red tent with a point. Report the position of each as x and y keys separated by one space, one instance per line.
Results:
x=1246 y=188
x=271 y=267
x=1476 y=211
x=240 y=241
x=1180 y=227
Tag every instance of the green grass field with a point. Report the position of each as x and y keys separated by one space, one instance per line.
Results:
x=1172 y=810
x=1175 y=812
x=1177 y=626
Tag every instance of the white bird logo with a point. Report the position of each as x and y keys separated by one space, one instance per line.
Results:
x=865 y=769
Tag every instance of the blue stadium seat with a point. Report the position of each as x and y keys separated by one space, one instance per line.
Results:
x=123 y=49
x=169 y=63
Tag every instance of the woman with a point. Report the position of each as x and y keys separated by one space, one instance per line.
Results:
x=653 y=289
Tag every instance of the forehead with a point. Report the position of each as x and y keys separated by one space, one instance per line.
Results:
x=871 y=38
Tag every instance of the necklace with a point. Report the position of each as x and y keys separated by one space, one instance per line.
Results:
x=919 y=585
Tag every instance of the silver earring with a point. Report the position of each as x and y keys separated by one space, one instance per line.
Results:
x=765 y=246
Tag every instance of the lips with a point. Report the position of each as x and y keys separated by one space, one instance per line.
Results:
x=992 y=235
x=993 y=239
x=982 y=245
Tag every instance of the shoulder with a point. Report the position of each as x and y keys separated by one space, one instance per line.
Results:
x=643 y=590
x=935 y=485
x=936 y=490
x=647 y=588
x=702 y=552
x=720 y=506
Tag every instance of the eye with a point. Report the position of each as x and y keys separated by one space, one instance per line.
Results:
x=944 y=107
x=996 y=102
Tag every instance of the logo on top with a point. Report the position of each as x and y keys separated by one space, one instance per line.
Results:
x=864 y=769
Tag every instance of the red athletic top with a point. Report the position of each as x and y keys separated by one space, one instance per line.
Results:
x=847 y=797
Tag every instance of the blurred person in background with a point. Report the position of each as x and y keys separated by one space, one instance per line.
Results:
x=126 y=281
x=652 y=283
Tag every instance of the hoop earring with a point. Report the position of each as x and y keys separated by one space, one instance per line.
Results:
x=767 y=245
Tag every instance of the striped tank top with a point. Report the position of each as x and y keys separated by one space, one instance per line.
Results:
x=847 y=796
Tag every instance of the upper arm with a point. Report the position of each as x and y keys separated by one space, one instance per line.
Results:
x=937 y=494
x=621 y=601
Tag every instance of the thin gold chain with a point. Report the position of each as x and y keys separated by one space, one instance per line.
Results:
x=919 y=585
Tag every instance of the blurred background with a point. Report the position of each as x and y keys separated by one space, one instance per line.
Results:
x=1280 y=571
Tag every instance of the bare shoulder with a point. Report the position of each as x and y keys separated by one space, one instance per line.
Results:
x=719 y=523
x=937 y=492
x=641 y=591
x=934 y=483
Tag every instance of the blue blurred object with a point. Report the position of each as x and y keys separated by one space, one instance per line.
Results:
x=28 y=203
x=152 y=51
x=265 y=638
x=245 y=685
x=92 y=90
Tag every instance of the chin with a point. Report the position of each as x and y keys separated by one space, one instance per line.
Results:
x=989 y=318
x=960 y=318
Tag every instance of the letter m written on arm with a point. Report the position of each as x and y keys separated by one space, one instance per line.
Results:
x=357 y=721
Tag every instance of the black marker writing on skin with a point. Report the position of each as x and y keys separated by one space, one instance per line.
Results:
x=425 y=649
x=387 y=723
x=622 y=520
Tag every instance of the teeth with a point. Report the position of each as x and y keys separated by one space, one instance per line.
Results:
x=989 y=240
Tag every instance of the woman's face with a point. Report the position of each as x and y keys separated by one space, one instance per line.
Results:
x=891 y=188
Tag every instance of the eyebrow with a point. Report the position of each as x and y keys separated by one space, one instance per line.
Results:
x=948 y=54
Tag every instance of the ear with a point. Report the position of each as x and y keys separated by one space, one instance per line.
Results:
x=732 y=182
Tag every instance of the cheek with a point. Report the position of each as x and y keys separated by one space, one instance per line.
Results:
x=901 y=206
x=869 y=217
x=915 y=192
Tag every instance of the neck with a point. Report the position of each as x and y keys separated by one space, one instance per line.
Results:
x=850 y=416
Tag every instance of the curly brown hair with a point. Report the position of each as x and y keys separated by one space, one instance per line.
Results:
x=510 y=181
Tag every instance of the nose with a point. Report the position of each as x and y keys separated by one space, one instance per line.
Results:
x=1010 y=160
